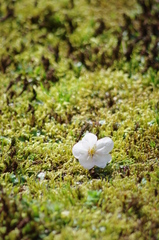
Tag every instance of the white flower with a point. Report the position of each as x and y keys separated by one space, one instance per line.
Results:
x=92 y=152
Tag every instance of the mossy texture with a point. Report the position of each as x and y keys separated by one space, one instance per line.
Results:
x=57 y=82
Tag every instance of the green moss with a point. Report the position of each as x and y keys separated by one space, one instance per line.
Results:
x=54 y=88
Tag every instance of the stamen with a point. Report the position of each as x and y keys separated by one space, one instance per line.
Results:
x=92 y=151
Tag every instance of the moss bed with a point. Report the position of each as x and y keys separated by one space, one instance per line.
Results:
x=68 y=67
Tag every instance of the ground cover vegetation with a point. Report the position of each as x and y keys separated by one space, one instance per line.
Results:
x=68 y=67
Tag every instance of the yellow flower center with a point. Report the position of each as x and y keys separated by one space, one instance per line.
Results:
x=92 y=151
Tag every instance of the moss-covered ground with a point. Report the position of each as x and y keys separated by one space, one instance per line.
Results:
x=68 y=67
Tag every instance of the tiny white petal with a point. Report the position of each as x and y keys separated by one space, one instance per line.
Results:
x=65 y=213
x=102 y=122
x=41 y=175
x=104 y=145
x=89 y=140
x=78 y=150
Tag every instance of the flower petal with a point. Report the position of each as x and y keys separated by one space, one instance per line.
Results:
x=104 y=145
x=78 y=150
x=89 y=140
x=87 y=163
x=102 y=160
